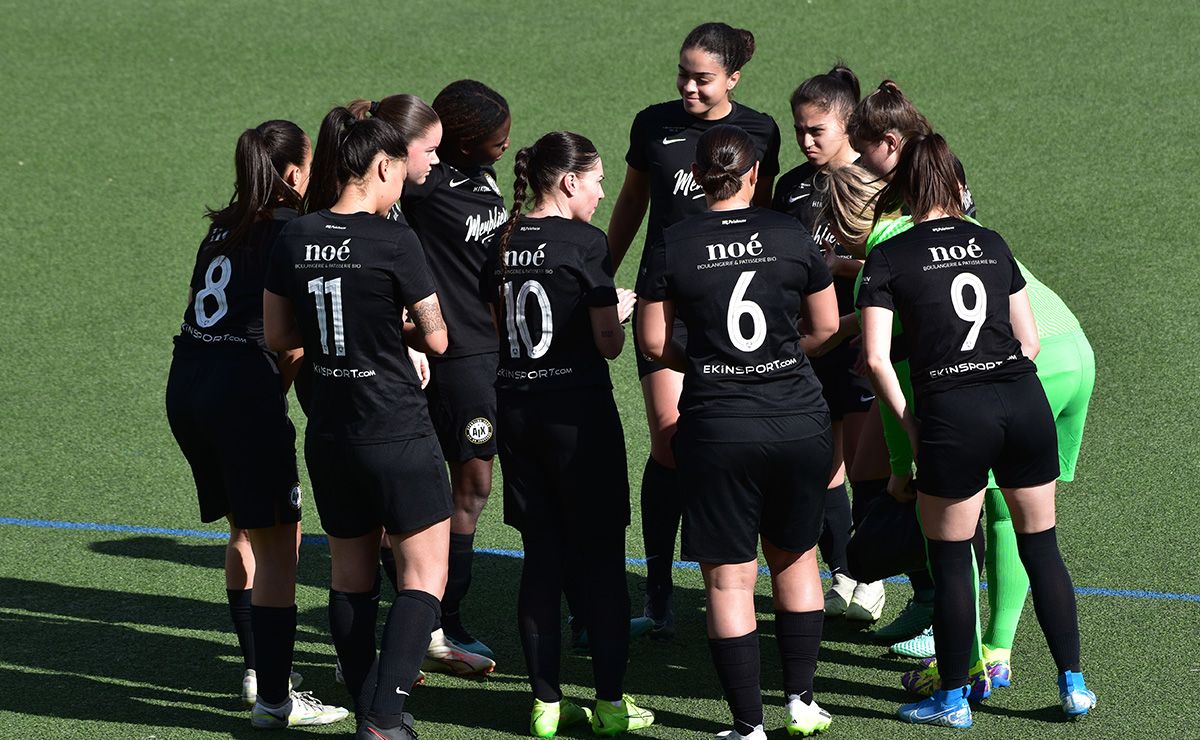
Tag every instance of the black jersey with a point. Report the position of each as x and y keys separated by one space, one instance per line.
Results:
x=949 y=281
x=555 y=270
x=349 y=278
x=738 y=281
x=455 y=214
x=662 y=143
x=801 y=193
x=227 y=286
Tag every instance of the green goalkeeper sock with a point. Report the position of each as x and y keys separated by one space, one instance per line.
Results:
x=1007 y=582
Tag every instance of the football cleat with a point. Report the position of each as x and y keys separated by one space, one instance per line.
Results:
x=758 y=733
x=250 y=685
x=837 y=598
x=548 y=717
x=367 y=730
x=866 y=604
x=301 y=710
x=443 y=657
x=805 y=718
x=912 y=619
x=921 y=646
x=926 y=680
x=1076 y=699
x=944 y=708
x=609 y=720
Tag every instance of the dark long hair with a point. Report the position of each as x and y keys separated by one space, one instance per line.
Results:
x=835 y=91
x=925 y=180
x=539 y=167
x=407 y=116
x=734 y=47
x=263 y=154
x=885 y=109
x=724 y=154
x=470 y=111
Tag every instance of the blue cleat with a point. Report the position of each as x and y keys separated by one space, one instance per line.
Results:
x=1076 y=699
x=943 y=708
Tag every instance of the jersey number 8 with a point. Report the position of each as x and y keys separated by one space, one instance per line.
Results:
x=518 y=327
x=216 y=290
x=739 y=307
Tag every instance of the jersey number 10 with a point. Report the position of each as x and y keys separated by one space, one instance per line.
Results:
x=518 y=327
x=319 y=287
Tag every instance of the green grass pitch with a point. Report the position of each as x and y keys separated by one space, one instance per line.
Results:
x=1075 y=122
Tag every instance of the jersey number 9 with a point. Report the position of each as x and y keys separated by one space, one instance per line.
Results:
x=974 y=315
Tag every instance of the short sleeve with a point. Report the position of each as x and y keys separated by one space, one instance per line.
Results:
x=596 y=275
x=636 y=156
x=876 y=289
x=414 y=281
x=819 y=276
x=1018 y=280
x=769 y=166
x=654 y=281
x=279 y=267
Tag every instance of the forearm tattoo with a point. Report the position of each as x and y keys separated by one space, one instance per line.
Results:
x=427 y=315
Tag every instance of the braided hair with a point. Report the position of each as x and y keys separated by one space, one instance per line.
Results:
x=470 y=111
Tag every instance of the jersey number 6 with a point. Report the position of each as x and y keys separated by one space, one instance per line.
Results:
x=518 y=328
x=738 y=307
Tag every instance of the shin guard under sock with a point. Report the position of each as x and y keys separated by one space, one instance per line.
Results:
x=738 y=669
x=239 y=613
x=458 y=582
x=274 y=639
x=1053 y=596
x=953 y=617
x=836 y=533
x=352 y=619
x=661 y=512
x=405 y=640
x=799 y=638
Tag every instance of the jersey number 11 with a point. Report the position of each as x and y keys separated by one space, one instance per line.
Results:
x=319 y=287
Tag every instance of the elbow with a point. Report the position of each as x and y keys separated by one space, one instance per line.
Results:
x=1032 y=347
x=611 y=349
x=878 y=364
x=437 y=343
x=824 y=331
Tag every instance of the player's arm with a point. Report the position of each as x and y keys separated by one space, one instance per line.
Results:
x=426 y=332
x=289 y=363
x=847 y=328
x=656 y=322
x=877 y=346
x=1024 y=327
x=821 y=318
x=628 y=213
x=279 y=324
x=606 y=324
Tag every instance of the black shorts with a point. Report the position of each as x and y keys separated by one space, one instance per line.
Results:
x=742 y=478
x=228 y=413
x=844 y=390
x=401 y=485
x=462 y=405
x=563 y=458
x=1005 y=427
x=645 y=365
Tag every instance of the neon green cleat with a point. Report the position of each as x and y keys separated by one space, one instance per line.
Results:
x=608 y=720
x=805 y=718
x=548 y=716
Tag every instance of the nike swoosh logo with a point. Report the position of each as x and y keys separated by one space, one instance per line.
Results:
x=402 y=693
x=672 y=141
x=795 y=198
x=866 y=399
x=456 y=183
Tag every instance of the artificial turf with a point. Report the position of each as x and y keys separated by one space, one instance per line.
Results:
x=1073 y=121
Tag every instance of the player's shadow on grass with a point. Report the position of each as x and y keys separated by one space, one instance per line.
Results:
x=94 y=654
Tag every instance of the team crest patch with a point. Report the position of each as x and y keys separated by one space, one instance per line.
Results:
x=478 y=431
x=294 y=496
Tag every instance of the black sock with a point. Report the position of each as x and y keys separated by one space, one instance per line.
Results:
x=274 y=638
x=836 y=532
x=799 y=638
x=352 y=623
x=661 y=511
x=953 y=609
x=239 y=612
x=977 y=544
x=405 y=640
x=539 y=612
x=1053 y=596
x=458 y=581
x=922 y=585
x=865 y=491
x=603 y=595
x=737 y=662
x=387 y=559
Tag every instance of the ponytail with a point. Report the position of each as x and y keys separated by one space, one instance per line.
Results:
x=885 y=109
x=850 y=193
x=925 y=180
x=835 y=91
x=724 y=155
x=263 y=154
x=734 y=47
x=520 y=193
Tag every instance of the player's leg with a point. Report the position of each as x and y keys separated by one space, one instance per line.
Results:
x=836 y=532
x=661 y=507
x=1008 y=586
x=733 y=640
x=239 y=592
x=470 y=485
x=866 y=605
x=276 y=553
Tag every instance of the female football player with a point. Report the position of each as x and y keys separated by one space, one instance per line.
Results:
x=455 y=213
x=226 y=406
x=754 y=444
x=662 y=147
x=339 y=285
x=821 y=105
x=958 y=292
x=562 y=448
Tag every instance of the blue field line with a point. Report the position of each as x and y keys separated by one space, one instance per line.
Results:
x=316 y=539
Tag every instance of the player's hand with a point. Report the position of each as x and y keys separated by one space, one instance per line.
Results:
x=900 y=488
x=421 y=365
x=626 y=300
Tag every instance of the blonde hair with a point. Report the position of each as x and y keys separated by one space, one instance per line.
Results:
x=851 y=193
